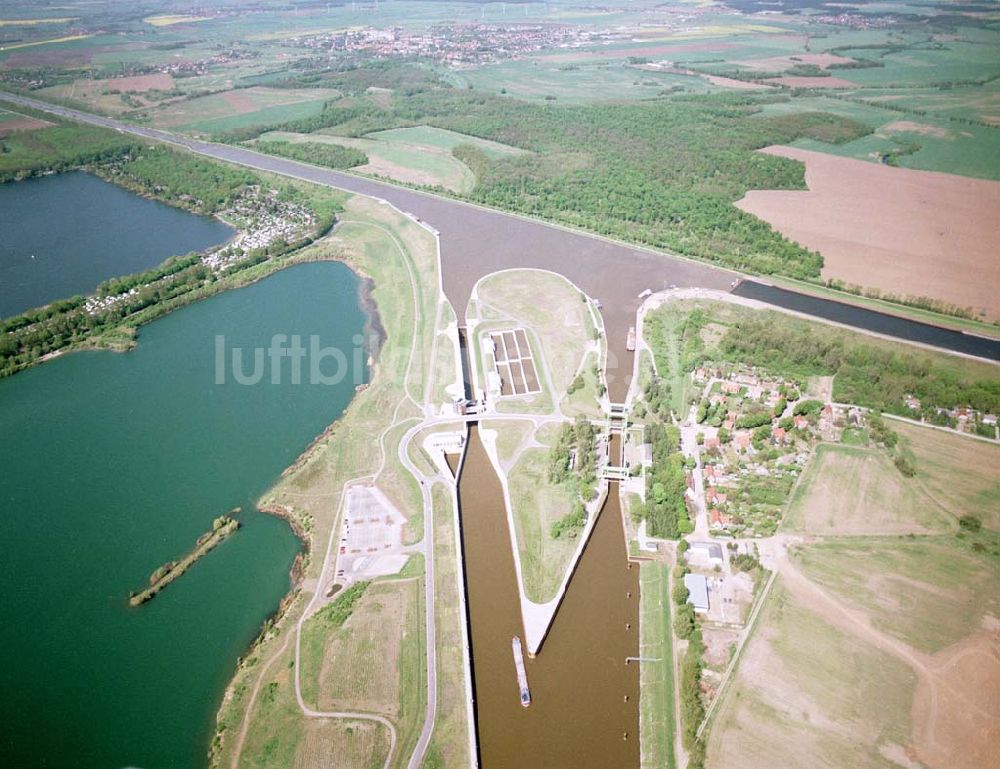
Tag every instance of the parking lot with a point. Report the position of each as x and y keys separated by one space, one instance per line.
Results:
x=371 y=536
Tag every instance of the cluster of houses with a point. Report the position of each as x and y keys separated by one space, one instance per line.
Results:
x=738 y=462
x=457 y=44
x=262 y=219
x=964 y=419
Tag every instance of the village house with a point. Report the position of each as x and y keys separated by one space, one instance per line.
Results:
x=719 y=519
x=741 y=441
x=800 y=422
x=714 y=496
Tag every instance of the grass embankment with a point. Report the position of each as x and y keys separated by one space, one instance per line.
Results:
x=381 y=244
x=656 y=679
x=222 y=527
x=449 y=745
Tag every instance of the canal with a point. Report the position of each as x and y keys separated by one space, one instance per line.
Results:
x=585 y=699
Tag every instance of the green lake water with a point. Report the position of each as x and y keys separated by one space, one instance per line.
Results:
x=63 y=234
x=112 y=464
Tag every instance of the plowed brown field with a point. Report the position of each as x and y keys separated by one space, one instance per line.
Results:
x=920 y=233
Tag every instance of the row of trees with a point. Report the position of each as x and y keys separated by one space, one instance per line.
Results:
x=573 y=463
x=867 y=374
x=686 y=628
x=321 y=154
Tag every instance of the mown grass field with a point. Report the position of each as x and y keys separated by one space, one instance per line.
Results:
x=858 y=490
x=282 y=737
x=440 y=138
x=656 y=680
x=553 y=311
x=807 y=695
x=400 y=161
x=929 y=592
x=958 y=473
x=537 y=504
x=374 y=662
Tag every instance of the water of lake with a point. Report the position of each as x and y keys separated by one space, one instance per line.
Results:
x=113 y=464
x=64 y=234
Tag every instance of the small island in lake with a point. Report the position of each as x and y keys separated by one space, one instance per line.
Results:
x=222 y=527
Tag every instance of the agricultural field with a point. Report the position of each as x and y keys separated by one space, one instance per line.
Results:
x=574 y=84
x=113 y=96
x=809 y=694
x=241 y=108
x=927 y=592
x=856 y=490
x=440 y=138
x=14 y=122
x=397 y=160
x=904 y=232
x=941 y=457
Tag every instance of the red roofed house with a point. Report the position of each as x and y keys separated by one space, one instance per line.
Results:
x=712 y=442
x=800 y=422
x=742 y=441
x=719 y=519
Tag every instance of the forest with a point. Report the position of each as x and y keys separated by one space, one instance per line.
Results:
x=329 y=155
x=663 y=173
x=61 y=147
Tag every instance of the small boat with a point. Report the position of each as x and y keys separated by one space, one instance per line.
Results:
x=522 y=676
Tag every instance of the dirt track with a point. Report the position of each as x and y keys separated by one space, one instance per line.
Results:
x=920 y=233
x=956 y=707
